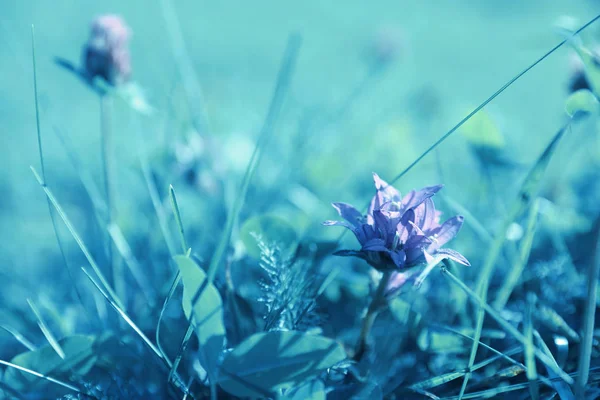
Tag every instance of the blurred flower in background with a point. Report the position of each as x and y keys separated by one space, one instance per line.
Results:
x=387 y=44
x=106 y=54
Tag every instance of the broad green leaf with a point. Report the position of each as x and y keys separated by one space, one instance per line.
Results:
x=79 y=359
x=582 y=101
x=481 y=130
x=267 y=362
x=202 y=303
x=269 y=228
x=312 y=390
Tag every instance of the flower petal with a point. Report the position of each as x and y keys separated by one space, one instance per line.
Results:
x=358 y=231
x=414 y=198
x=397 y=281
x=349 y=213
x=425 y=214
x=390 y=193
x=446 y=232
x=382 y=224
x=374 y=244
x=398 y=257
x=338 y=223
x=414 y=255
x=350 y=253
x=404 y=227
x=432 y=262
x=454 y=256
x=385 y=193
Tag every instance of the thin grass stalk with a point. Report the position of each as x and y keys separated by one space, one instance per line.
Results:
x=108 y=164
x=77 y=238
x=46 y=331
x=191 y=84
x=517 y=268
x=19 y=338
x=178 y=381
x=43 y=169
x=281 y=88
x=42 y=376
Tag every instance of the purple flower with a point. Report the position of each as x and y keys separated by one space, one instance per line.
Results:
x=400 y=232
x=106 y=54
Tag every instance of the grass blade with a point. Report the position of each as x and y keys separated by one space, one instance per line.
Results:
x=482 y=105
x=42 y=376
x=157 y=205
x=184 y=246
x=587 y=340
x=85 y=177
x=154 y=195
x=191 y=84
x=450 y=376
x=489 y=99
x=19 y=338
x=186 y=250
x=122 y=313
x=281 y=87
x=531 y=371
x=517 y=268
x=563 y=390
x=178 y=381
x=46 y=331
x=134 y=266
x=528 y=190
x=507 y=326
x=470 y=219
x=182 y=347
x=43 y=169
x=77 y=238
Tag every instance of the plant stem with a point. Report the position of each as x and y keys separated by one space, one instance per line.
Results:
x=377 y=304
x=115 y=274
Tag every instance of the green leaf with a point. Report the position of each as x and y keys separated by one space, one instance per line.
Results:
x=582 y=101
x=202 y=303
x=271 y=229
x=481 y=131
x=79 y=359
x=267 y=362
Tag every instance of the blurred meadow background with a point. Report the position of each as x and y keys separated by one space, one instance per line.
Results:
x=373 y=86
